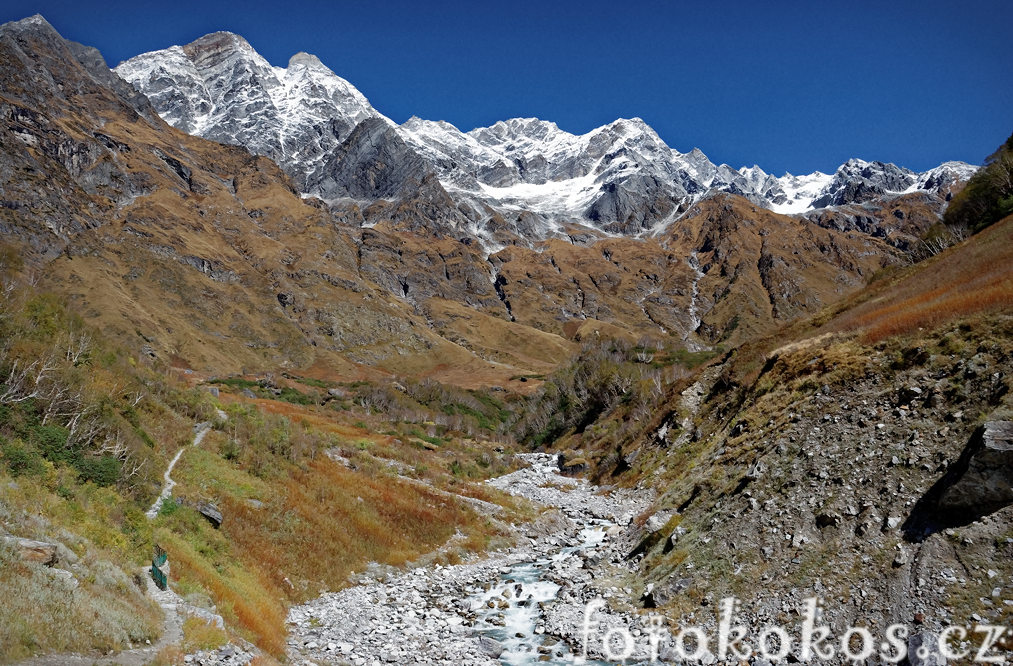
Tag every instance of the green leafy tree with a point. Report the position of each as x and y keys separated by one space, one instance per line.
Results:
x=988 y=196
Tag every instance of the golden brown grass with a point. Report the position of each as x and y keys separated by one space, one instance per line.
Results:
x=170 y=655
x=199 y=634
x=318 y=523
x=329 y=520
x=973 y=278
x=242 y=596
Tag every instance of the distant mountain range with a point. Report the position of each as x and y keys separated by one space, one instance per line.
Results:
x=619 y=178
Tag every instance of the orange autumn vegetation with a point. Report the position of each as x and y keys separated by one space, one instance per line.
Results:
x=321 y=523
x=242 y=596
x=973 y=278
x=297 y=523
x=329 y=521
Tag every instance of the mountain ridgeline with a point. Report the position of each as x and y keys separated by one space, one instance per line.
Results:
x=620 y=178
x=307 y=230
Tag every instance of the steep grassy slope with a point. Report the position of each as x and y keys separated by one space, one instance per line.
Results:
x=310 y=494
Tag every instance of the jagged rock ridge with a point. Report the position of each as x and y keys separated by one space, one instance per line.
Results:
x=621 y=177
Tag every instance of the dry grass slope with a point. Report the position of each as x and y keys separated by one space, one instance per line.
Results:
x=973 y=278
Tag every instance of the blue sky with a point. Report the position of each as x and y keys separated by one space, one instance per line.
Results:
x=791 y=86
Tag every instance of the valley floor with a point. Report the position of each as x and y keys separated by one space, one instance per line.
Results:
x=493 y=609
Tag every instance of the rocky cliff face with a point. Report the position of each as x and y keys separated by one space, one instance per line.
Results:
x=373 y=162
x=62 y=174
x=824 y=497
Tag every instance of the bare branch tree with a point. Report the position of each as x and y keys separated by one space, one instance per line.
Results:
x=23 y=381
x=76 y=347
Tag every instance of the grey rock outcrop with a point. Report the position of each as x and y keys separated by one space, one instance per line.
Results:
x=30 y=550
x=211 y=512
x=982 y=479
x=374 y=162
x=857 y=181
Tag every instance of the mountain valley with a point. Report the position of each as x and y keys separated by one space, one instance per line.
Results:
x=737 y=384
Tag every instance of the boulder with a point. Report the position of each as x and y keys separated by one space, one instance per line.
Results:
x=491 y=646
x=660 y=594
x=673 y=538
x=981 y=481
x=40 y=552
x=658 y=520
x=572 y=464
x=923 y=650
x=550 y=523
x=828 y=519
x=211 y=512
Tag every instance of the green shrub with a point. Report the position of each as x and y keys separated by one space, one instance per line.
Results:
x=297 y=397
x=235 y=382
x=52 y=443
x=169 y=507
x=101 y=470
x=20 y=460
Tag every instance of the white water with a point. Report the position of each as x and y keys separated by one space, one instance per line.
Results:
x=523 y=615
x=694 y=315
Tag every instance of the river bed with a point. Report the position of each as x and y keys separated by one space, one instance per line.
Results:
x=487 y=612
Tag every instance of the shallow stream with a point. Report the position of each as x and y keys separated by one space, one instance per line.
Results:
x=516 y=600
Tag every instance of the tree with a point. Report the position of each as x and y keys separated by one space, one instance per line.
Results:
x=988 y=195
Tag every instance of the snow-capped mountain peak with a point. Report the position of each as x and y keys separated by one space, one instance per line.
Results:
x=307 y=60
x=220 y=88
x=621 y=177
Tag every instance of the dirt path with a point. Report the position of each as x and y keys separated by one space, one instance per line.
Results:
x=201 y=429
x=174 y=608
